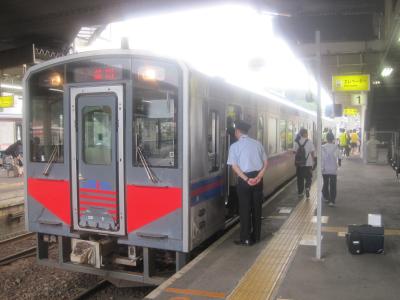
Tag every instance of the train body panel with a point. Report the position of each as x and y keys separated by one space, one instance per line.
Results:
x=126 y=151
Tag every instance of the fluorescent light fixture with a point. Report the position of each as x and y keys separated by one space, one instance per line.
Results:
x=10 y=86
x=387 y=71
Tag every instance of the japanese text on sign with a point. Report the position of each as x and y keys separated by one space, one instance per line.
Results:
x=350 y=83
x=350 y=111
x=6 y=101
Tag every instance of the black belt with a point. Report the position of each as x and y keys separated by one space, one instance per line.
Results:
x=251 y=174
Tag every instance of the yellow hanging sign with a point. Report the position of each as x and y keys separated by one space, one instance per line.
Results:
x=348 y=83
x=6 y=101
x=350 y=111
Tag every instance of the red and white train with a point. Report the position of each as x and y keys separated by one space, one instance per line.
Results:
x=125 y=156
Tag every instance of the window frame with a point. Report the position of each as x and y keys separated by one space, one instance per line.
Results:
x=33 y=97
x=214 y=159
x=138 y=63
x=260 y=129
x=272 y=140
x=289 y=140
x=282 y=139
x=83 y=141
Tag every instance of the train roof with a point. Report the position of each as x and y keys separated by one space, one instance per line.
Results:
x=182 y=64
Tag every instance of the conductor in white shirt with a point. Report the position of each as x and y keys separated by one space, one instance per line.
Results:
x=249 y=161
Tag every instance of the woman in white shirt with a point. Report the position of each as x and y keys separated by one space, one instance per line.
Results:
x=329 y=164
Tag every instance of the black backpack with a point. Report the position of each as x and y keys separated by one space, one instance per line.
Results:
x=300 y=158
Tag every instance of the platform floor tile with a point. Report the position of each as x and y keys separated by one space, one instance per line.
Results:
x=262 y=278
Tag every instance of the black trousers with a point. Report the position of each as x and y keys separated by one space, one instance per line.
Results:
x=250 y=206
x=304 y=174
x=329 y=187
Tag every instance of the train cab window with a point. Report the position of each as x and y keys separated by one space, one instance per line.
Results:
x=97 y=135
x=212 y=141
x=260 y=129
x=272 y=137
x=282 y=134
x=289 y=135
x=155 y=107
x=46 y=116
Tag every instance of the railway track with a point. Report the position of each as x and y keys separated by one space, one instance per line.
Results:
x=92 y=290
x=20 y=254
x=16 y=256
x=16 y=238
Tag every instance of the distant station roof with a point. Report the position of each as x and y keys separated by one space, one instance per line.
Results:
x=56 y=23
x=52 y=26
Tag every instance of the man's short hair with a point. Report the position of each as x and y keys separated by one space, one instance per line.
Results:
x=242 y=126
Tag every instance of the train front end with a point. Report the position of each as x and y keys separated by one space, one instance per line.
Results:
x=104 y=150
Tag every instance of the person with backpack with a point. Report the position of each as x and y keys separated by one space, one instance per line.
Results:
x=329 y=163
x=305 y=162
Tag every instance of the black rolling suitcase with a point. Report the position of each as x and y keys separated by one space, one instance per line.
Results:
x=365 y=239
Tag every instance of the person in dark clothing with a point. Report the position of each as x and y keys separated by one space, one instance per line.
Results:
x=233 y=201
x=305 y=164
x=249 y=161
x=36 y=150
x=14 y=149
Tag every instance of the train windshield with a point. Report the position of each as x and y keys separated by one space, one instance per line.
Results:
x=46 y=124
x=155 y=103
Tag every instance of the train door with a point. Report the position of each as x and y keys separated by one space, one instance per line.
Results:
x=234 y=113
x=97 y=159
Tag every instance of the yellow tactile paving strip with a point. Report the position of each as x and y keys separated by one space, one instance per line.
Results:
x=6 y=185
x=261 y=279
x=388 y=231
x=201 y=293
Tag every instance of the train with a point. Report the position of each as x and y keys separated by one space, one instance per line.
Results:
x=125 y=159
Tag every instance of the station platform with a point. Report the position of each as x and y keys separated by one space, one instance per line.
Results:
x=11 y=193
x=283 y=264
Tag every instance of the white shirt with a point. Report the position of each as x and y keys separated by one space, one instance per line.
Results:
x=308 y=148
x=248 y=154
x=329 y=161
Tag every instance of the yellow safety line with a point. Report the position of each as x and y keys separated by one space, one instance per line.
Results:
x=261 y=279
x=202 y=293
x=392 y=231
x=334 y=229
x=389 y=231
x=5 y=185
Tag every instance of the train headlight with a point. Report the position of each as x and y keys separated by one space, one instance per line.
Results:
x=55 y=79
x=151 y=73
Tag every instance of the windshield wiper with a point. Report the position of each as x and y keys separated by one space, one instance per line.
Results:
x=149 y=171
x=53 y=156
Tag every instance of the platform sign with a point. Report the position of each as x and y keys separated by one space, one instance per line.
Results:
x=349 y=83
x=350 y=112
x=6 y=101
x=358 y=99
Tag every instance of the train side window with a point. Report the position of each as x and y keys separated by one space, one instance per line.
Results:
x=46 y=119
x=260 y=129
x=272 y=137
x=289 y=135
x=282 y=134
x=212 y=141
